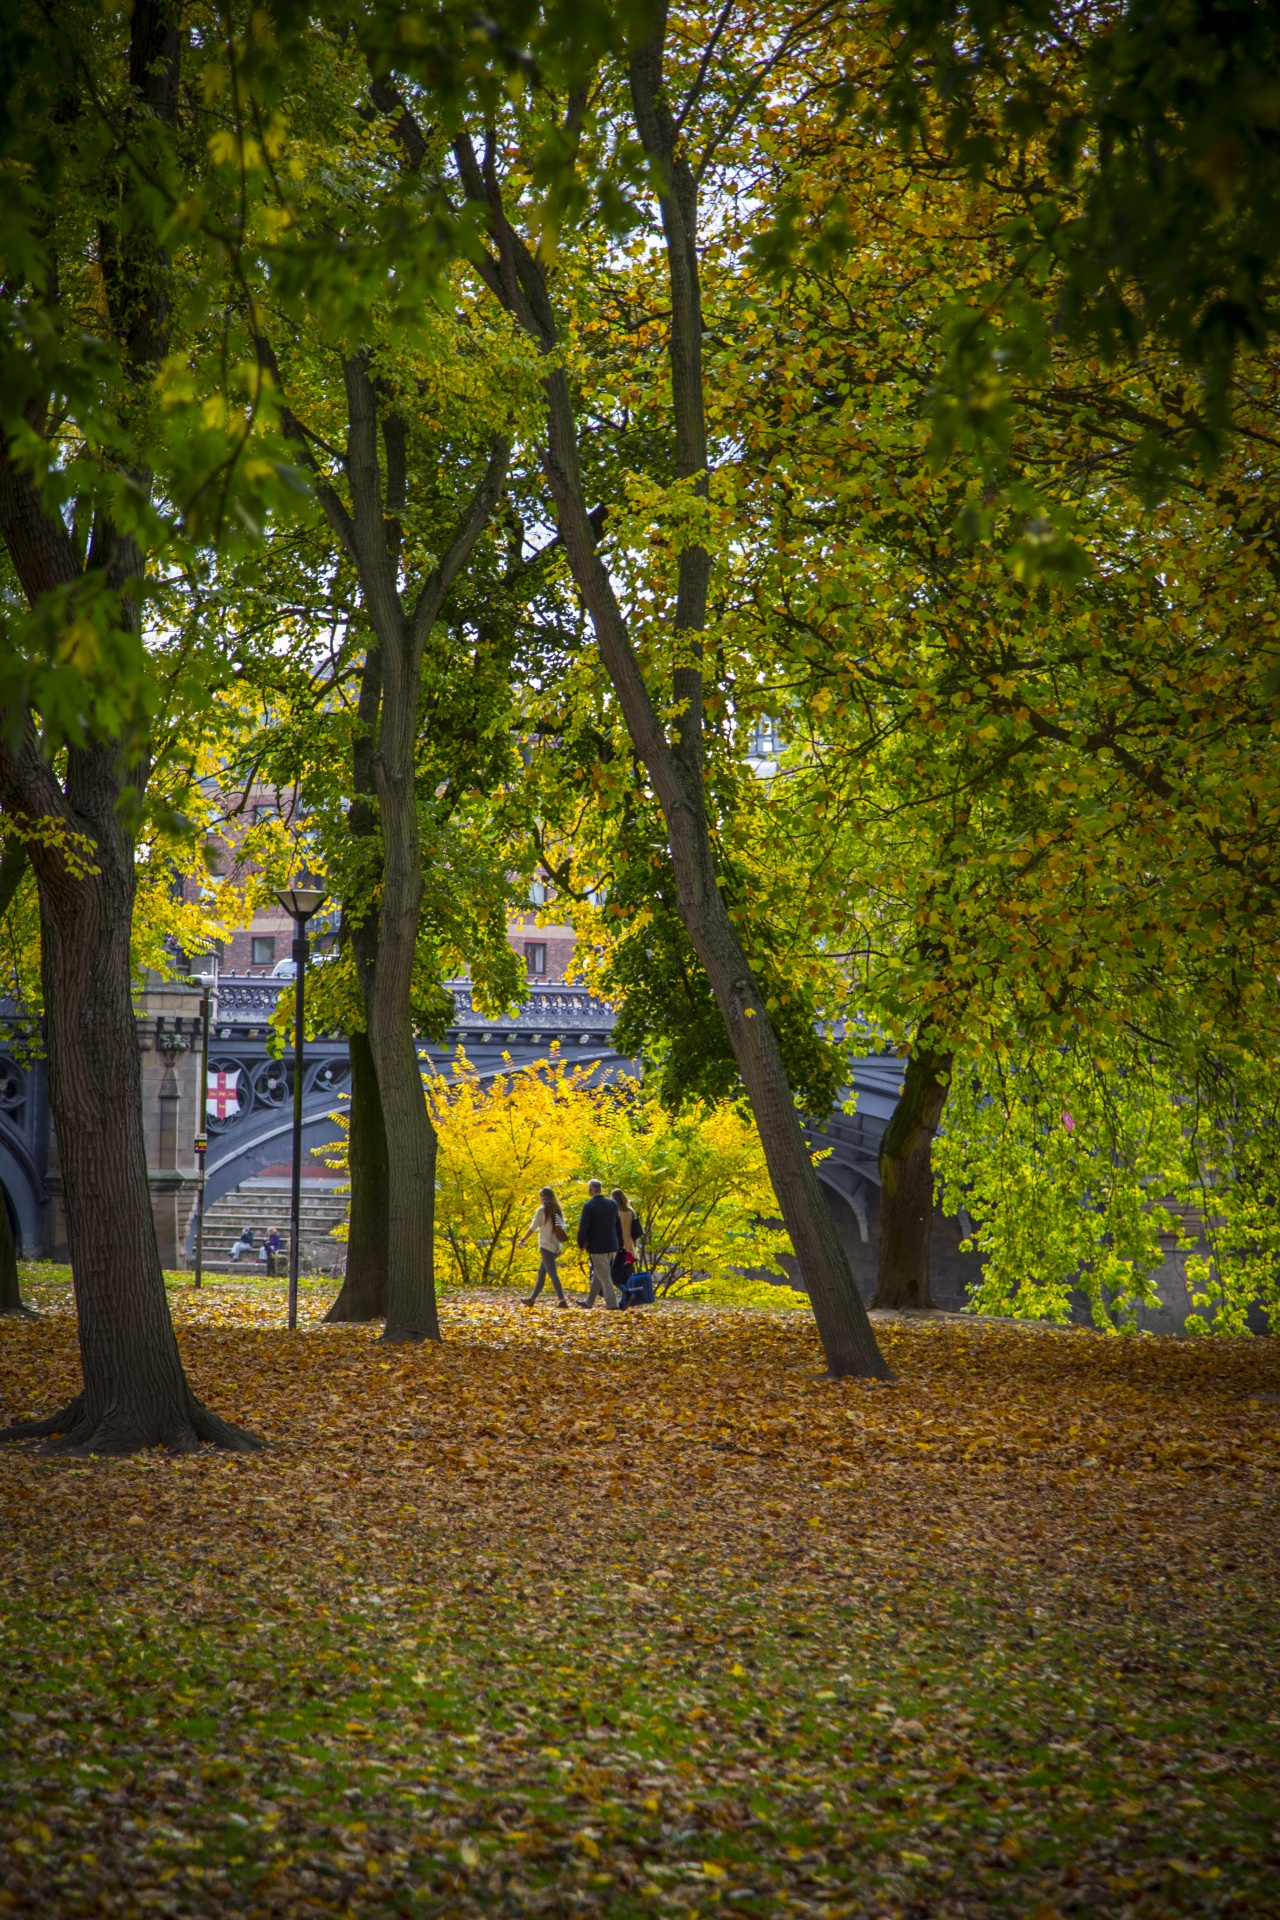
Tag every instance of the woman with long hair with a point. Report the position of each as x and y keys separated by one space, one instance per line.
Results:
x=548 y=1224
x=628 y=1255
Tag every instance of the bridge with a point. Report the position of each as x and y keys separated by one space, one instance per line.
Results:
x=257 y=1133
x=253 y=1130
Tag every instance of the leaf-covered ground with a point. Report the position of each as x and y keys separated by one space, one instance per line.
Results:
x=630 y=1614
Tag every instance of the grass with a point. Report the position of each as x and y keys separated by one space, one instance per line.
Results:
x=624 y=1615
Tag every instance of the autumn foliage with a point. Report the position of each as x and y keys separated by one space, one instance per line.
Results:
x=625 y=1614
x=698 y=1179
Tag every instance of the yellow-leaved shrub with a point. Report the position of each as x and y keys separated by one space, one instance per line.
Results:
x=698 y=1180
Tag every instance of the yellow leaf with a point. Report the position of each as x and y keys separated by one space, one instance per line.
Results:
x=79 y=646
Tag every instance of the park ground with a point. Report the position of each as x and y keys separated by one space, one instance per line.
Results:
x=632 y=1614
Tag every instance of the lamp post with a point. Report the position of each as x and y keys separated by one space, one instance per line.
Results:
x=299 y=903
x=208 y=1012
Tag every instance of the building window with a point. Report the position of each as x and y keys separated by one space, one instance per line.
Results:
x=261 y=813
x=264 y=949
x=535 y=957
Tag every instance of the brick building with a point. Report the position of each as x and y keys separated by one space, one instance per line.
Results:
x=267 y=938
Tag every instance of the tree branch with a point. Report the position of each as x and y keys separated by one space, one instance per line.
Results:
x=13 y=865
x=294 y=431
x=473 y=523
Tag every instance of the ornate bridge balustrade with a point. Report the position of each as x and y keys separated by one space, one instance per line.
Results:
x=251 y=1106
x=255 y=1091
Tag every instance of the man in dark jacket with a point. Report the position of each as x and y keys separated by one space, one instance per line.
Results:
x=600 y=1237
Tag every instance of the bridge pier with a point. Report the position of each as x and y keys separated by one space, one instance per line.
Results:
x=168 y=1028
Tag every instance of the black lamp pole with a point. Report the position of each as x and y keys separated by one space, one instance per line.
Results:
x=299 y=903
x=208 y=1012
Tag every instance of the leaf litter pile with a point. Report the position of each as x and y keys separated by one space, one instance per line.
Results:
x=631 y=1614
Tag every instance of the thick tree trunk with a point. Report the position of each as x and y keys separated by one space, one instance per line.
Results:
x=135 y=1392
x=11 y=1302
x=13 y=866
x=364 y=1287
x=906 y=1182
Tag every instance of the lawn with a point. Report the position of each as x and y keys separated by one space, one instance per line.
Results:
x=632 y=1614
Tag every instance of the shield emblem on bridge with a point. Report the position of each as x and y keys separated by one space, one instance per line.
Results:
x=224 y=1093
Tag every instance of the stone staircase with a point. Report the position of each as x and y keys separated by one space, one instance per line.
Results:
x=265 y=1204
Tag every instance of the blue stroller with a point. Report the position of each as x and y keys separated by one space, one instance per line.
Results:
x=636 y=1289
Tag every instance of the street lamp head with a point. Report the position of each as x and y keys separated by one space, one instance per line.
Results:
x=300 y=902
x=204 y=970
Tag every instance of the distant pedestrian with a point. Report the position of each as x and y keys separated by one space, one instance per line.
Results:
x=244 y=1244
x=548 y=1224
x=628 y=1255
x=270 y=1248
x=600 y=1237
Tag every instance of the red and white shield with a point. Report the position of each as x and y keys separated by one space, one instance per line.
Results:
x=224 y=1095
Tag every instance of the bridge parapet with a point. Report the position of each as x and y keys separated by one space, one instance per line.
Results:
x=249 y=1125
x=247 y=1002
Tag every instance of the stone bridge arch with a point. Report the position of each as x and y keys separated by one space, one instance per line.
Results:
x=259 y=1133
x=24 y=1124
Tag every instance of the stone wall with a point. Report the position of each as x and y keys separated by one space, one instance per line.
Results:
x=168 y=1017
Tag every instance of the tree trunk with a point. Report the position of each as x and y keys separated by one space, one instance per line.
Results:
x=410 y=1136
x=676 y=766
x=364 y=1287
x=135 y=1393
x=11 y=1302
x=906 y=1182
x=13 y=866
x=384 y=940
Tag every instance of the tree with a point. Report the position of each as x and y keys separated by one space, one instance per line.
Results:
x=1146 y=135
x=1074 y=1161
x=1013 y=801
x=301 y=707
x=13 y=870
x=101 y=113
x=667 y=731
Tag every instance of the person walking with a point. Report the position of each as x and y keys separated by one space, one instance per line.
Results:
x=548 y=1224
x=628 y=1255
x=600 y=1237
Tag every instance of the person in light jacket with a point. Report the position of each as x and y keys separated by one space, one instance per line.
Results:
x=548 y=1224
x=632 y=1239
x=600 y=1237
